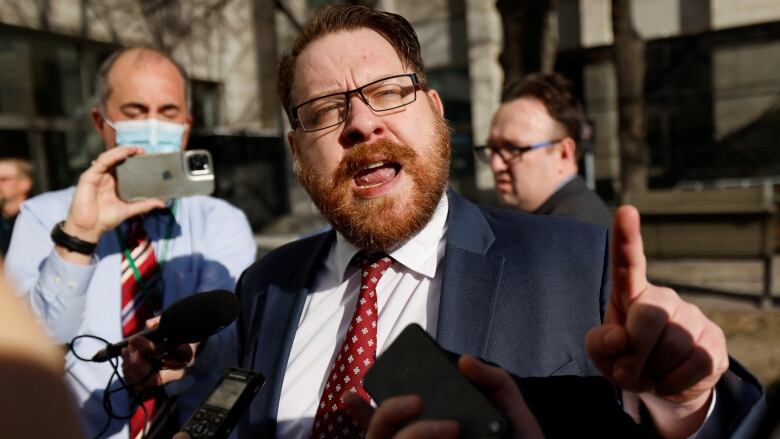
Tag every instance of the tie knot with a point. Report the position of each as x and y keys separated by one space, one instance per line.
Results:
x=373 y=261
x=135 y=231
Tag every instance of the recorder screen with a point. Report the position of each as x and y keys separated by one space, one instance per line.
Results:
x=226 y=394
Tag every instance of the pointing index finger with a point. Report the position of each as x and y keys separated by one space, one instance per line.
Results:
x=629 y=266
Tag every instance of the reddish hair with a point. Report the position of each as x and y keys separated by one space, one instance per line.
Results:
x=330 y=19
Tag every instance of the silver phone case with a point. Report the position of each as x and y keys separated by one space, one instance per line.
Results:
x=164 y=176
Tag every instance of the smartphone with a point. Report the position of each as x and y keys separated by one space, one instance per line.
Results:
x=226 y=403
x=166 y=175
x=415 y=364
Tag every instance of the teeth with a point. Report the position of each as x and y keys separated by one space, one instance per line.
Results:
x=375 y=165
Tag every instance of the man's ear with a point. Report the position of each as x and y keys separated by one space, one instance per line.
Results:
x=291 y=141
x=435 y=99
x=97 y=120
x=568 y=149
x=26 y=186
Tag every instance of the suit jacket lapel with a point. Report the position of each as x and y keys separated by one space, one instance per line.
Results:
x=470 y=281
x=278 y=323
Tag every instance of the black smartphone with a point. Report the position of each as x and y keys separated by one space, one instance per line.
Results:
x=415 y=364
x=166 y=175
x=226 y=403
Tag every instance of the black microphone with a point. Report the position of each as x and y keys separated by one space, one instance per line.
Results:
x=191 y=319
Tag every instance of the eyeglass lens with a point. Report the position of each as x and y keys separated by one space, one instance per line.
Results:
x=383 y=95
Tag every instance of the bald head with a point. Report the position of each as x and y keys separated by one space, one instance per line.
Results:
x=138 y=84
x=135 y=58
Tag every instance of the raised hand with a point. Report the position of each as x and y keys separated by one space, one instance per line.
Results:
x=96 y=207
x=652 y=342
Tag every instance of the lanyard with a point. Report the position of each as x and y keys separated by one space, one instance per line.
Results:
x=163 y=253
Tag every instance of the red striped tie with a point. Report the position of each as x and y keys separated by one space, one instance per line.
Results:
x=141 y=300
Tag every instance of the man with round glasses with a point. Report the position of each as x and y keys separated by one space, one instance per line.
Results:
x=533 y=151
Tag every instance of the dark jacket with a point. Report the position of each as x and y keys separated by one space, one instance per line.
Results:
x=518 y=290
x=574 y=199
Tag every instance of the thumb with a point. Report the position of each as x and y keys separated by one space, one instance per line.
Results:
x=605 y=344
x=153 y=322
x=358 y=409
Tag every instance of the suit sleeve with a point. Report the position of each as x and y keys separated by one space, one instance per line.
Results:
x=739 y=407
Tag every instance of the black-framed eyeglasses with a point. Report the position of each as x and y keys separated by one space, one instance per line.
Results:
x=381 y=95
x=509 y=152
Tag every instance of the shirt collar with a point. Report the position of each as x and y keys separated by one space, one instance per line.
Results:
x=419 y=254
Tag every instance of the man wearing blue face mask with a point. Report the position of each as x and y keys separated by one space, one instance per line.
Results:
x=91 y=263
x=153 y=135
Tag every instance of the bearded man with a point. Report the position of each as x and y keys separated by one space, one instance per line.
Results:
x=372 y=148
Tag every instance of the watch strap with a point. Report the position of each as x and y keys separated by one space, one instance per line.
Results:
x=70 y=242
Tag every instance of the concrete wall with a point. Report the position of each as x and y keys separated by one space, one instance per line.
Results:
x=595 y=23
x=213 y=44
x=746 y=83
x=731 y=13
x=664 y=18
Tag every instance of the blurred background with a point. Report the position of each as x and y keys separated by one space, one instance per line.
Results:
x=684 y=98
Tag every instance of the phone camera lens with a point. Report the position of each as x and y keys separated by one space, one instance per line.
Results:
x=198 y=163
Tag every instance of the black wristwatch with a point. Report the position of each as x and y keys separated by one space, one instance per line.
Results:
x=71 y=242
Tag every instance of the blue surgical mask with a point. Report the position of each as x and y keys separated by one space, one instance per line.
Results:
x=153 y=135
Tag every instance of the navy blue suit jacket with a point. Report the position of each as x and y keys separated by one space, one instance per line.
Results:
x=518 y=290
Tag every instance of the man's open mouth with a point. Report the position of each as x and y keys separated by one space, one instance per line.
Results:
x=376 y=174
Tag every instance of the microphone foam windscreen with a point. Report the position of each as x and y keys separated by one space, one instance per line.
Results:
x=198 y=316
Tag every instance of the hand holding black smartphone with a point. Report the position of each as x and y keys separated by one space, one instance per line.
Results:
x=415 y=364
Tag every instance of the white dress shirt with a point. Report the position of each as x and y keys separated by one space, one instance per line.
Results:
x=407 y=293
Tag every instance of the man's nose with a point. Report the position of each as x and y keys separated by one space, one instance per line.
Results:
x=497 y=163
x=362 y=123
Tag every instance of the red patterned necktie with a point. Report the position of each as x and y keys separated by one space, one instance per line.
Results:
x=354 y=358
x=141 y=300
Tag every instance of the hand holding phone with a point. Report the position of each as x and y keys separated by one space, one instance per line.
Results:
x=166 y=175
x=415 y=365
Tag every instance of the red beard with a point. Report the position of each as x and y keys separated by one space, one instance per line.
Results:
x=382 y=224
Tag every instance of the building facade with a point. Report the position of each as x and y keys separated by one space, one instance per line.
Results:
x=712 y=91
x=50 y=52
